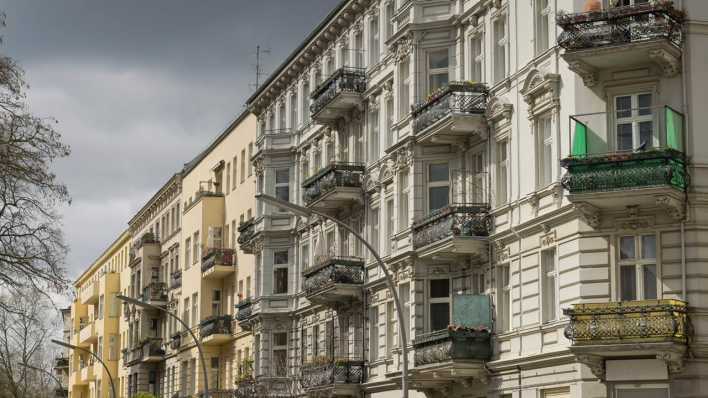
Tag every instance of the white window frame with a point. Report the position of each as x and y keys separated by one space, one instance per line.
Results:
x=403 y=200
x=216 y=304
x=436 y=184
x=639 y=263
x=477 y=56
x=282 y=184
x=616 y=388
x=504 y=297
x=544 y=150
x=542 y=26
x=500 y=45
x=502 y=164
x=549 y=284
x=280 y=266
x=390 y=223
x=430 y=71
x=438 y=300
x=280 y=348
x=375 y=40
x=635 y=119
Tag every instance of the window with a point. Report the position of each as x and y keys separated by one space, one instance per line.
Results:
x=195 y=248
x=499 y=49
x=316 y=341
x=248 y=283
x=390 y=11
x=438 y=186
x=282 y=184
x=647 y=391
x=281 y=116
x=185 y=311
x=638 y=272
x=305 y=103
x=478 y=283
x=195 y=309
x=374 y=47
x=390 y=223
x=101 y=305
x=234 y=175
x=404 y=294
x=280 y=277
x=305 y=253
x=504 y=289
x=404 y=89
x=280 y=354
x=543 y=11
x=243 y=165
x=634 y=121
x=187 y=252
x=216 y=302
x=548 y=269
x=113 y=305
x=622 y=3
x=374 y=134
x=359 y=149
x=389 y=121
x=390 y=321
x=359 y=50
x=479 y=178
x=438 y=69
x=293 y=110
x=99 y=349
x=250 y=154
x=477 y=53
x=403 y=217
x=374 y=333
x=544 y=151
x=502 y=167
x=439 y=301
x=375 y=236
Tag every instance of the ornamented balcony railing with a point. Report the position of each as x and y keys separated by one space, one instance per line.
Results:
x=244 y=309
x=175 y=279
x=246 y=388
x=215 y=325
x=621 y=25
x=155 y=291
x=458 y=220
x=219 y=393
x=318 y=375
x=216 y=256
x=334 y=270
x=246 y=232
x=344 y=80
x=456 y=344
x=337 y=174
x=456 y=98
x=645 y=321
x=176 y=341
x=152 y=348
x=61 y=362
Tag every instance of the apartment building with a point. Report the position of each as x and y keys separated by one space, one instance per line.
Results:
x=95 y=316
x=61 y=361
x=531 y=174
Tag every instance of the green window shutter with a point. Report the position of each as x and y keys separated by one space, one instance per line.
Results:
x=674 y=128
x=580 y=140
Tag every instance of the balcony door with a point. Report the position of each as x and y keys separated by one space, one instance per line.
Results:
x=638 y=270
x=634 y=122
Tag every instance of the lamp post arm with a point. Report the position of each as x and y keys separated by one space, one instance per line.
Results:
x=199 y=348
x=394 y=292
x=43 y=370
x=108 y=372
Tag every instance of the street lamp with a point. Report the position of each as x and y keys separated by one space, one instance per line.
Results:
x=93 y=354
x=148 y=306
x=305 y=212
x=28 y=366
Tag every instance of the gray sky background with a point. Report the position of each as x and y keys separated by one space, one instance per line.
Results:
x=139 y=88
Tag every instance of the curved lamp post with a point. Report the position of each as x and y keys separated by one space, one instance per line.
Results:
x=45 y=371
x=93 y=354
x=148 y=306
x=305 y=212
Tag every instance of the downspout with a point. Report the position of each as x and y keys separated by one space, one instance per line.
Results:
x=684 y=289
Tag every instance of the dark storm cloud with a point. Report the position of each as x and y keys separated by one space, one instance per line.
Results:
x=139 y=88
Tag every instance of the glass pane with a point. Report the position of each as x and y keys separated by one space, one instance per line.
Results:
x=627 y=247
x=438 y=59
x=281 y=176
x=280 y=339
x=624 y=137
x=649 y=282
x=438 y=80
x=646 y=133
x=439 y=288
x=628 y=283
x=439 y=172
x=649 y=246
x=623 y=106
x=282 y=193
x=439 y=316
x=439 y=197
x=280 y=257
x=644 y=104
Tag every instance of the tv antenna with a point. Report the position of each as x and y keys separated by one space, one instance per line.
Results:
x=259 y=66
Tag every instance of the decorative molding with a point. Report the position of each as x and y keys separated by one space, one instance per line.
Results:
x=585 y=71
x=595 y=363
x=670 y=65
x=673 y=206
x=589 y=213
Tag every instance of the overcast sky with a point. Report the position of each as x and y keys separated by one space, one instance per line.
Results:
x=139 y=88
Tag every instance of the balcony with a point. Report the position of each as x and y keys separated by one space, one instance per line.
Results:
x=176 y=280
x=628 y=329
x=176 y=341
x=244 y=310
x=334 y=187
x=86 y=334
x=89 y=293
x=458 y=229
x=152 y=351
x=246 y=233
x=216 y=330
x=621 y=38
x=340 y=93
x=61 y=363
x=451 y=354
x=218 y=263
x=334 y=281
x=337 y=377
x=452 y=114
x=87 y=374
x=652 y=176
x=219 y=393
x=155 y=293
x=246 y=388
x=275 y=140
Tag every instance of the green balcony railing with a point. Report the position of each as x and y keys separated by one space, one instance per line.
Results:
x=651 y=154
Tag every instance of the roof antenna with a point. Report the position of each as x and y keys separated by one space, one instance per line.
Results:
x=259 y=66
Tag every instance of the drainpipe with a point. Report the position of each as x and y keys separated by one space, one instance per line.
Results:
x=687 y=123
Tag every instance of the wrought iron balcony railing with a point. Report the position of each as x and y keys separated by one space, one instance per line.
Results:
x=152 y=348
x=343 y=80
x=246 y=232
x=155 y=291
x=215 y=325
x=61 y=362
x=620 y=322
x=176 y=341
x=337 y=174
x=215 y=256
x=334 y=270
x=175 y=279
x=456 y=98
x=246 y=388
x=457 y=220
x=446 y=345
x=244 y=309
x=621 y=25
x=318 y=375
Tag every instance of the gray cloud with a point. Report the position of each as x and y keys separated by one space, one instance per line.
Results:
x=139 y=88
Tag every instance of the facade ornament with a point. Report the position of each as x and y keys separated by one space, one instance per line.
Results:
x=673 y=206
x=403 y=47
x=258 y=166
x=499 y=110
x=585 y=71
x=558 y=195
x=670 y=64
x=534 y=200
x=595 y=363
x=674 y=360
x=589 y=213
x=388 y=89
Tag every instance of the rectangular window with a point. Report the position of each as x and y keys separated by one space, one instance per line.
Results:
x=404 y=294
x=403 y=216
x=374 y=333
x=439 y=302
x=282 y=184
x=195 y=248
x=499 y=49
x=477 y=54
x=305 y=256
x=101 y=305
x=438 y=186
x=293 y=110
x=228 y=178
x=504 y=289
x=390 y=225
x=548 y=269
x=315 y=341
x=280 y=354
x=243 y=165
x=280 y=277
x=543 y=10
x=113 y=305
x=638 y=272
x=234 y=175
x=634 y=122
x=375 y=236
x=374 y=45
x=359 y=50
x=502 y=169
x=390 y=11
x=187 y=252
x=479 y=178
x=250 y=155
x=404 y=89
x=389 y=121
x=216 y=302
x=544 y=152
x=390 y=322
x=185 y=311
x=99 y=350
x=195 y=309
x=305 y=103
x=438 y=69
x=374 y=135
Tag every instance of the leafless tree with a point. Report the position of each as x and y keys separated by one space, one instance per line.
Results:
x=25 y=326
x=32 y=249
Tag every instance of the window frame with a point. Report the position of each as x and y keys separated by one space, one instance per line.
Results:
x=639 y=263
x=541 y=21
x=437 y=184
x=438 y=300
x=634 y=119
x=431 y=72
x=549 y=285
x=544 y=148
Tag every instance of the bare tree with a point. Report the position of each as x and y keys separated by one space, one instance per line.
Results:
x=32 y=249
x=25 y=325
